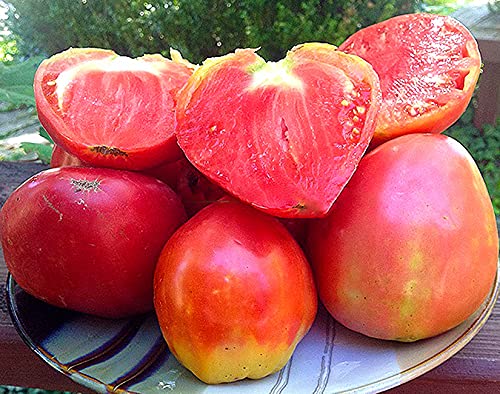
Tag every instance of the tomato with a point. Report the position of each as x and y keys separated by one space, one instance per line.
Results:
x=193 y=188
x=233 y=293
x=284 y=137
x=410 y=248
x=88 y=239
x=297 y=228
x=110 y=110
x=428 y=67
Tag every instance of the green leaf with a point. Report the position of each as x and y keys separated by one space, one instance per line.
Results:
x=16 y=82
x=43 y=133
x=43 y=151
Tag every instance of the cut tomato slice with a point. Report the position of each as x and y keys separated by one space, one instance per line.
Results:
x=284 y=137
x=111 y=110
x=428 y=67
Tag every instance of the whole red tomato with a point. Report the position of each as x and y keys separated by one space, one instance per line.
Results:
x=88 y=239
x=193 y=188
x=234 y=293
x=410 y=248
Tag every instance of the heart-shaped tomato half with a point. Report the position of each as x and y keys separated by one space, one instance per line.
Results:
x=284 y=137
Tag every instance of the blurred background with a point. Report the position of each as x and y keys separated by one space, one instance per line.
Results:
x=31 y=30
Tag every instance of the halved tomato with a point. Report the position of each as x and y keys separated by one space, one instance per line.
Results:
x=284 y=137
x=428 y=67
x=111 y=110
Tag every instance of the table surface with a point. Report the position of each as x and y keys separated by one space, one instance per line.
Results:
x=475 y=369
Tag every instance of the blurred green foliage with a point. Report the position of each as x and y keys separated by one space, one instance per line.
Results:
x=484 y=146
x=16 y=82
x=444 y=7
x=197 y=28
x=8 y=48
x=494 y=6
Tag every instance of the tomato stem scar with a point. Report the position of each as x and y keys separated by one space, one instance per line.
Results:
x=84 y=185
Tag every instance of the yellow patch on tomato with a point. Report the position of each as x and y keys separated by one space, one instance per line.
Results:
x=408 y=307
x=230 y=362
x=416 y=261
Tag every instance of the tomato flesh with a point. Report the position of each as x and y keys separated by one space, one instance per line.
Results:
x=110 y=110
x=284 y=137
x=428 y=66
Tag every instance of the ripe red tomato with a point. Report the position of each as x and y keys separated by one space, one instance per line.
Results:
x=88 y=239
x=233 y=293
x=284 y=137
x=110 y=110
x=193 y=188
x=428 y=67
x=410 y=248
x=297 y=228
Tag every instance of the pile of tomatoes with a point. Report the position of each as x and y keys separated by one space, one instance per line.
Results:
x=228 y=196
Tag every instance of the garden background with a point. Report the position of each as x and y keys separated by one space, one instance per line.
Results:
x=31 y=30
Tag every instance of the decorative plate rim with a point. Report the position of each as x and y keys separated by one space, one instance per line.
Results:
x=381 y=384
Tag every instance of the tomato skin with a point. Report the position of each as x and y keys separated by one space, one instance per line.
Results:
x=193 y=188
x=233 y=293
x=410 y=248
x=428 y=67
x=297 y=228
x=110 y=112
x=93 y=250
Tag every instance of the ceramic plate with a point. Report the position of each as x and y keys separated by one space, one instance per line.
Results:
x=130 y=355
